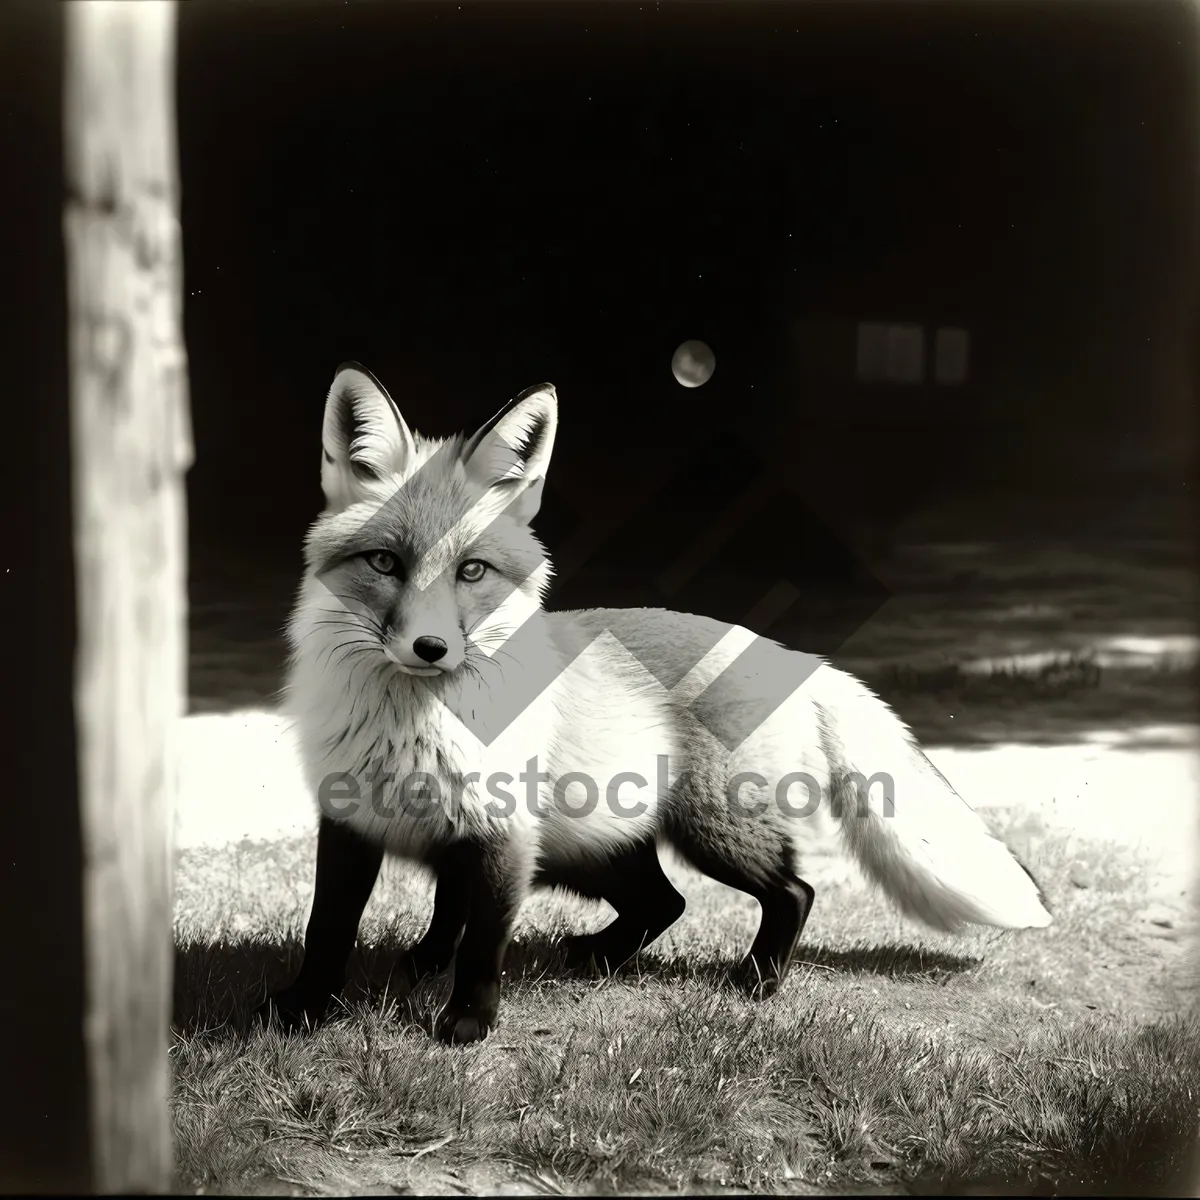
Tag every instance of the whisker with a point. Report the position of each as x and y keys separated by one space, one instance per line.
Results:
x=346 y=650
x=350 y=682
x=347 y=623
x=353 y=650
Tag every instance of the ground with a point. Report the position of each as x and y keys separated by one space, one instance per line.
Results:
x=1055 y=690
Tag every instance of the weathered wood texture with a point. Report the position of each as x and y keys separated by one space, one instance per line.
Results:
x=131 y=446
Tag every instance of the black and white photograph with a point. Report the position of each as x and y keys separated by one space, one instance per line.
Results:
x=601 y=597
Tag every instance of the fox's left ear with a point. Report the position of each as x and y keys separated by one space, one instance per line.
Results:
x=364 y=439
x=511 y=453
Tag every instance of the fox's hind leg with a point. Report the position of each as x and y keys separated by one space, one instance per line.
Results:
x=785 y=909
x=634 y=883
x=765 y=868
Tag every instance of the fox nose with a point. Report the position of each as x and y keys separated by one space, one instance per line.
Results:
x=430 y=649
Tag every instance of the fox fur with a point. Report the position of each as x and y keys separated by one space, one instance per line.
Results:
x=421 y=653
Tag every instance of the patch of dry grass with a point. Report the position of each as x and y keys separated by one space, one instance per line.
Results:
x=893 y=1059
x=949 y=703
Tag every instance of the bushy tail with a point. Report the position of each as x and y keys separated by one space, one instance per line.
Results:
x=928 y=850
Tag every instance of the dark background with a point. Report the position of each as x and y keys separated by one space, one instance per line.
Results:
x=473 y=198
x=470 y=199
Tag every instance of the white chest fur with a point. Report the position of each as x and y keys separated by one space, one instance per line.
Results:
x=576 y=771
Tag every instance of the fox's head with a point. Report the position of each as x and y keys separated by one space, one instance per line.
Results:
x=423 y=561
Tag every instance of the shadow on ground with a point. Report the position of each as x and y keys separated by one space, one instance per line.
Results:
x=221 y=982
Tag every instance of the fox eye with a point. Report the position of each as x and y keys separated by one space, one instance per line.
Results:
x=473 y=570
x=383 y=561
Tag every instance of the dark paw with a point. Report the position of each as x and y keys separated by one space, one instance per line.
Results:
x=460 y=1029
x=294 y=1009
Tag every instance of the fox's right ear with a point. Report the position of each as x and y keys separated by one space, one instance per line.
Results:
x=364 y=439
x=510 y=453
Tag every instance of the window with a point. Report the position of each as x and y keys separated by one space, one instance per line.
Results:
x=951 y=355
x=890 y=353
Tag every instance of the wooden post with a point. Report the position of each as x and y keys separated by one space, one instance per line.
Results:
x=131 y=447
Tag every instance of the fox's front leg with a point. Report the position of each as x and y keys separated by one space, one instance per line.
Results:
x=347 y=867
x=493 y=880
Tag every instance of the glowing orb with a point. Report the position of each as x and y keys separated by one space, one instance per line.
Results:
x=693 y=364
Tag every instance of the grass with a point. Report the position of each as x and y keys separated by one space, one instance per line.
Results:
x=893 y=1060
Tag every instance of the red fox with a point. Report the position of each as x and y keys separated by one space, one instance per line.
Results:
x=445 y=717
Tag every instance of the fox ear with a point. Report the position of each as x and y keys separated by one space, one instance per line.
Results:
x=511 y=452
x=364 y=438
